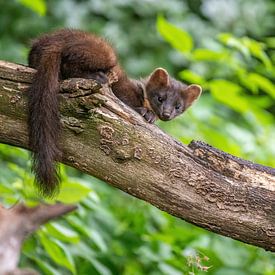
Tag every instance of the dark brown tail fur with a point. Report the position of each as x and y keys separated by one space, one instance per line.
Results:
x=44 y=123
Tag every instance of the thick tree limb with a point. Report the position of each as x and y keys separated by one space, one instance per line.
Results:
x=105 y=138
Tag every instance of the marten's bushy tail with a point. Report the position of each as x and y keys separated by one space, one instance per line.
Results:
x=44 y=123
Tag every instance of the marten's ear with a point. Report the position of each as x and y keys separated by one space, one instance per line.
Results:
x=190 y=94
x=159 y=78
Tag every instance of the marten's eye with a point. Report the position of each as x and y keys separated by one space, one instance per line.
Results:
x=160 y=99
x=178 y=106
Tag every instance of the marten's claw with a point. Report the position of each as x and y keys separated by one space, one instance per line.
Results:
x=150 y=116
x=141 y=110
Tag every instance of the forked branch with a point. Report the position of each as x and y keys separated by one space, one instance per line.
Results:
x=18 y=222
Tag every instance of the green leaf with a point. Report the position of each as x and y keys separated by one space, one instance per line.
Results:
x=191 y=77
x=58 y=252
x=221 y=86
x=29 y=246
x=263 y=83
x=98 y=240
x=72 y=192
x=261 y=101
x=208 y=55
x=61 y=232
x=84 y=251
x=229 y=94
x=79 y=225
x=100 y=267
x=244 y=79
x=231 y=41
x=270 y=42
x=93 y=234
x=257 y=50
x=45 y=267
x=178 y=38
x=17 y=169
x=5 y=190
x=247 y=47
x=38 y=6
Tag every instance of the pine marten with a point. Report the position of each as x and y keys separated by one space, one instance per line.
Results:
x=73 y=53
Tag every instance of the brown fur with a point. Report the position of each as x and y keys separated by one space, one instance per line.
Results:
x=72 y=53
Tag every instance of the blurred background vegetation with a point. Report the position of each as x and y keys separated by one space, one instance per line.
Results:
x=228 y=47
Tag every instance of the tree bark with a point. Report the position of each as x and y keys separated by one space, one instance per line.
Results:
x=104 y=138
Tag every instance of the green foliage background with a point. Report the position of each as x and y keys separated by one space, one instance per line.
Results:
x=225 y=46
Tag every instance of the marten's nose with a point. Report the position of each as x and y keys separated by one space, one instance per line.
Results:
x=166 y=115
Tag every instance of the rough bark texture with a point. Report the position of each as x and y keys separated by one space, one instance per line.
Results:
x=103 y=137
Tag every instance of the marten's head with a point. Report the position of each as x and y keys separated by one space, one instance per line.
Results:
x=168 y=97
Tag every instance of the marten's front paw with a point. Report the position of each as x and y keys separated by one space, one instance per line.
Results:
x=148 y=115
x=99 y=76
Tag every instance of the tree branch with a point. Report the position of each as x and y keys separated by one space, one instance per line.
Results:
x=18 y=222
x=104 y=138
